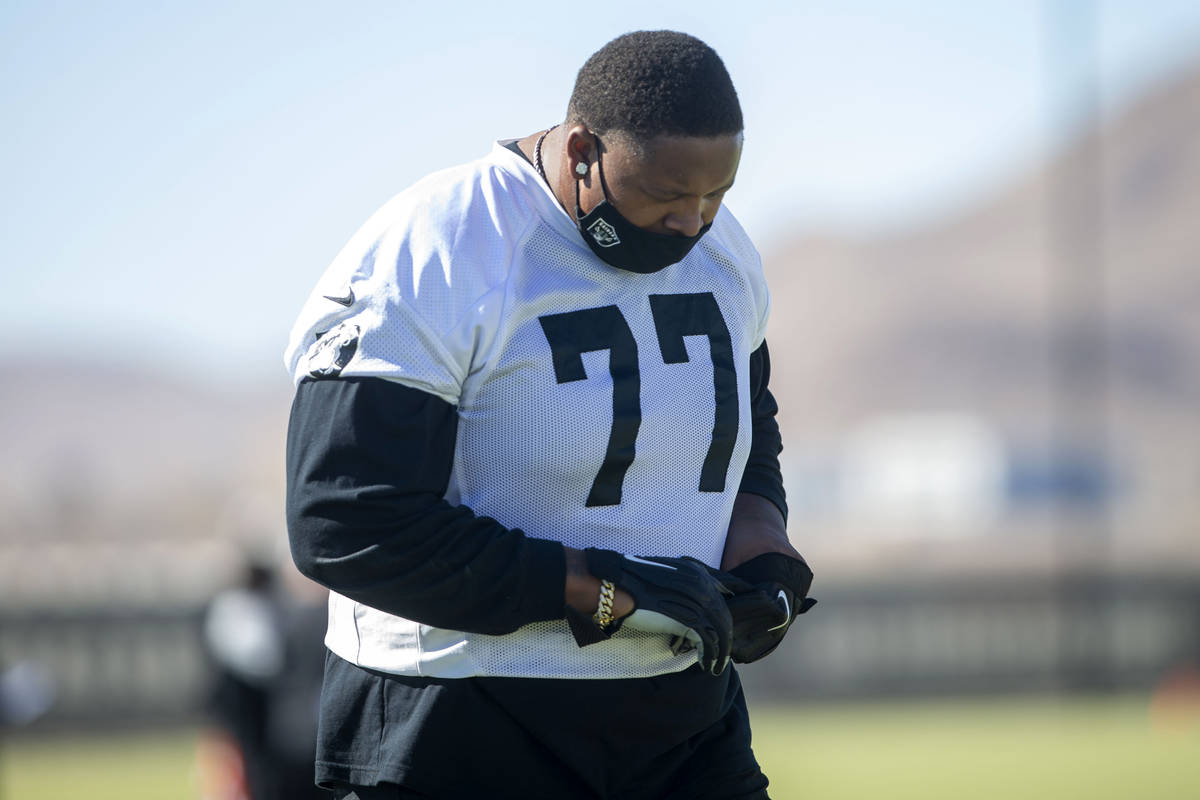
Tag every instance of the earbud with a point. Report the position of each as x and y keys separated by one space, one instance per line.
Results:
x=581 y=169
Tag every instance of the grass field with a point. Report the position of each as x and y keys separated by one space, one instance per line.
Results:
x=971 y=750
x=982 y=750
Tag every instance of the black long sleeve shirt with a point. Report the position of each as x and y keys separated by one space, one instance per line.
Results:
x=368 y=463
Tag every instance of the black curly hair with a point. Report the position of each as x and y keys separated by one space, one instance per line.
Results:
x=655 y=83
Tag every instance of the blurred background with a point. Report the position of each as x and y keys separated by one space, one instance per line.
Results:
x=981 y=226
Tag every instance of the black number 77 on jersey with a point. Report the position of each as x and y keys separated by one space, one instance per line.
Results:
x=574 y=333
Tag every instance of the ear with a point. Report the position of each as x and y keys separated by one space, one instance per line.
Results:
x=581 y=148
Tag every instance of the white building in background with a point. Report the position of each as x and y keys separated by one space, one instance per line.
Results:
x=942 y=473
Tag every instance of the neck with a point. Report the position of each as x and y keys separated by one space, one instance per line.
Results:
x=553 y=158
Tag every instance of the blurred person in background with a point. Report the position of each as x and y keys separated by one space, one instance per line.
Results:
x=264 y=639
x=27 y=691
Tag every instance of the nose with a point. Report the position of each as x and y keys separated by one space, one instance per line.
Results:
x=686 y=221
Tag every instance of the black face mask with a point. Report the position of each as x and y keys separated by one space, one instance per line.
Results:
x=624 y=245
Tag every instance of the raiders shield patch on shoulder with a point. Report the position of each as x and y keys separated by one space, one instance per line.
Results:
x=332 y=351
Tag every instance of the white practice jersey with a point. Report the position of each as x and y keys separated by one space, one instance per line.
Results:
x=597 y=407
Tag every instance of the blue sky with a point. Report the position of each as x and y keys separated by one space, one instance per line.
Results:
x=179 y=174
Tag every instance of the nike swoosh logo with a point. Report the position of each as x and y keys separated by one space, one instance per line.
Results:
x=787 y=608
x=649 y=563
x=346 y=301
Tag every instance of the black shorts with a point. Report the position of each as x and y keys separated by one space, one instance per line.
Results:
x=684 y=735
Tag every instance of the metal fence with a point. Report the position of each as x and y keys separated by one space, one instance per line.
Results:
x=978 y=635
x=111 y=667
x=1079 y=632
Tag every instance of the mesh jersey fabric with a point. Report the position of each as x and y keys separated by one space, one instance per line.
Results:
x=597 y=407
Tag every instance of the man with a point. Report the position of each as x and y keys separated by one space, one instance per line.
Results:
x=263 y=640
x=531 y=421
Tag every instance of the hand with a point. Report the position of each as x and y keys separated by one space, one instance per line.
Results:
x=763 y=614
x=674 y=596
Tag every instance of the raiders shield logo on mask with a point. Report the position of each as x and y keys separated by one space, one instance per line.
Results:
x=604 y=234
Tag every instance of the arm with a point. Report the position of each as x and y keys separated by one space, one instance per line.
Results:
x=368 y=462
x=759 y=521
x=756 y=527
x=757 y=549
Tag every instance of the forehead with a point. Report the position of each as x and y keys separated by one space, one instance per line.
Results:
x=687 y=164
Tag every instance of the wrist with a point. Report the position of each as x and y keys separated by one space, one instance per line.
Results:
x=756 y=527
x=582 y=590
x=778 y=568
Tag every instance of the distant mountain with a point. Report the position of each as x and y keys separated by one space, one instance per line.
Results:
x=971 y=310
x=90 y=446
x=1063 y=307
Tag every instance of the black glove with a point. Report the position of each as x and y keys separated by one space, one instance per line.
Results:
x=679 y=597
x=763 y=614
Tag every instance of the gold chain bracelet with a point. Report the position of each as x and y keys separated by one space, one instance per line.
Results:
x=604 y=611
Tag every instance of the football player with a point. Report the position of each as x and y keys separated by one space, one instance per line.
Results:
x=533 y=455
